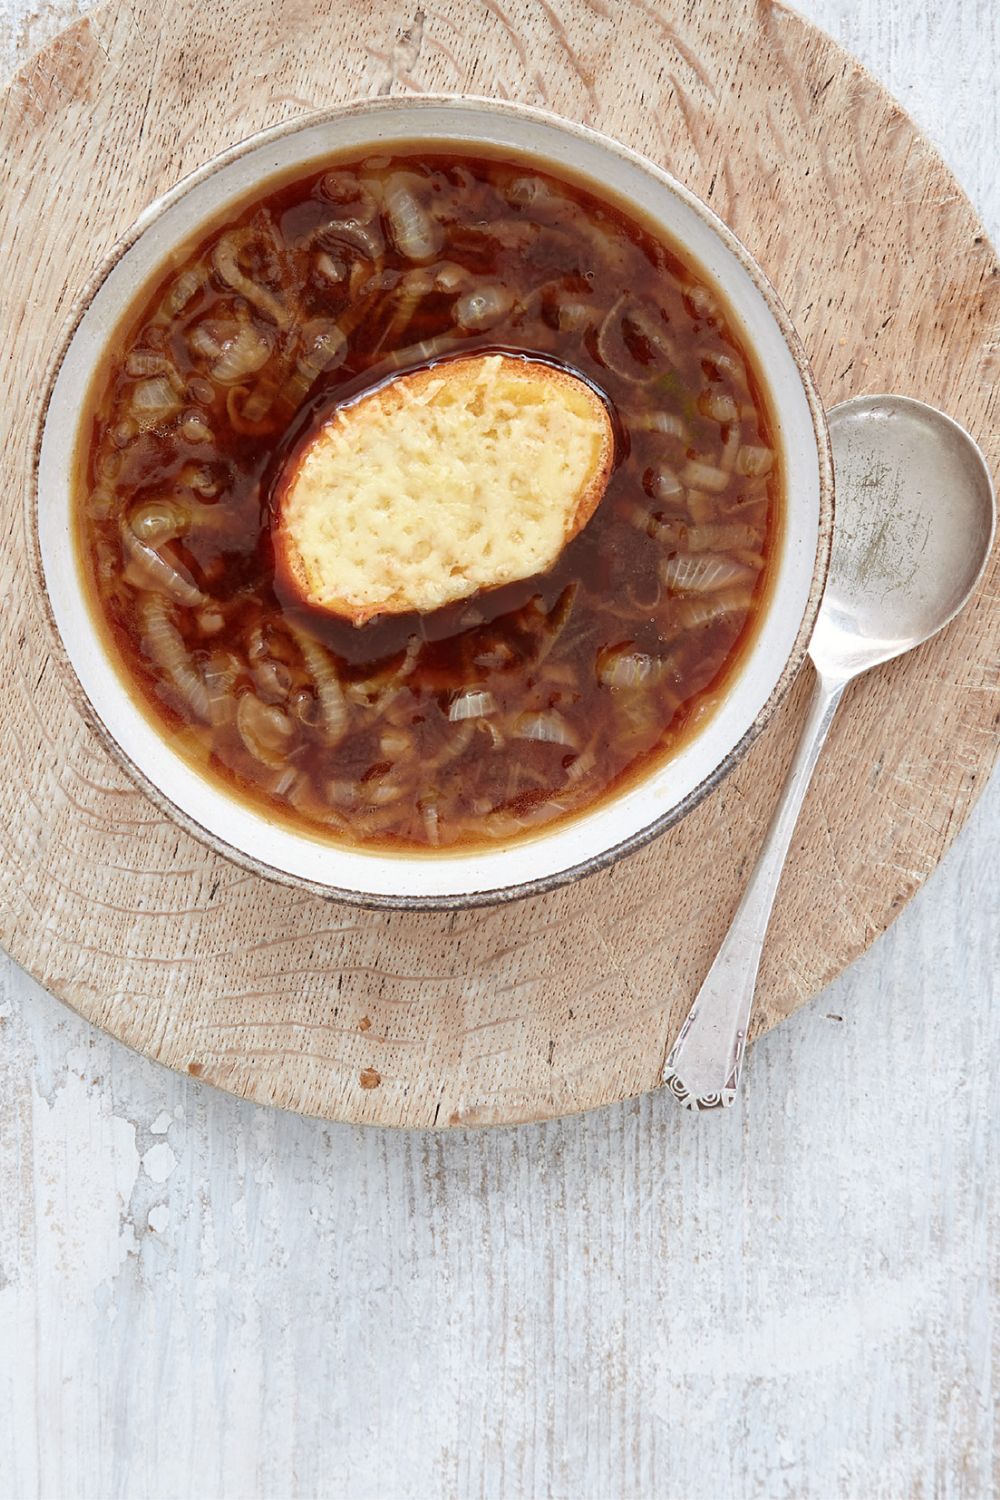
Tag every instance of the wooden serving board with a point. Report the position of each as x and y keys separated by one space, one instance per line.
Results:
x=569 y=1000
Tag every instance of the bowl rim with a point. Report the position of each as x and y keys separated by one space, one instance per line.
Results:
x=602 y=858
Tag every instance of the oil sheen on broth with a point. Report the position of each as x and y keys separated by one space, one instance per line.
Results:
x=488 y=719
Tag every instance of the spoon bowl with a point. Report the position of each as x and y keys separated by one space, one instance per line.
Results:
x=914 y=527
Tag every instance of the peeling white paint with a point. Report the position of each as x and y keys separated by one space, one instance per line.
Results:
x=158 y=1162
x=82 y=1212
x=808 y=1336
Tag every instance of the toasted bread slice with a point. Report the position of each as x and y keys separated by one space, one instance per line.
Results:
x=460 y=477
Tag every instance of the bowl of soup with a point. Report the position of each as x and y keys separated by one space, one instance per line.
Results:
x=518 y=736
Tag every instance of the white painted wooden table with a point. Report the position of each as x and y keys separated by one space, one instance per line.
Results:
x=200 y=1298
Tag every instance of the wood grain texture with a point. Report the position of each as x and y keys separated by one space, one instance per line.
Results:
x=567 y=1001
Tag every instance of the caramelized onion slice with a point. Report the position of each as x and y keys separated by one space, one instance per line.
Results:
x=374 y=691
x=165 y=647
x=265 y=730
x=633 y=341
x=624 y=667
x=147 y=568
x=720 y=406
x=324 y=348
x=226 y=261
x=414 y=233
x=476 y=311
x=696 y=611
x=702 y=476
x=706 y=573
x=220 y=674
x=357 y=234
x=157 y=521
x=754 y=461
x=330 y=267
x=431 y=820
x=547 y=728
x=505 y=823
x=333 y=703
x=236 y=347
x=155 y=400
x=667 y=422
x=472 y=704
x=450 y=277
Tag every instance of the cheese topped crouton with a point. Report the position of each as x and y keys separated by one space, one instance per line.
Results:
x=459 y=477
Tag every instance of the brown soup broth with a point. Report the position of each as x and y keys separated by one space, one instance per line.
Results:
x=495 y=716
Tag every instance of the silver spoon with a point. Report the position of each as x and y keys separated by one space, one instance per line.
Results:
x=914 y=526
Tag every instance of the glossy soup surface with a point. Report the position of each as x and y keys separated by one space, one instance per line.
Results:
x=489 y=718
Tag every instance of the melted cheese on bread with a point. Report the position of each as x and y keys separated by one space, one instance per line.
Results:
x=463 y=476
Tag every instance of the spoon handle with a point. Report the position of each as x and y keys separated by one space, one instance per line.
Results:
x=702 y=1069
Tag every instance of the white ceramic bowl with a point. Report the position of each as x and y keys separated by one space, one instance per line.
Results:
x=617 y=826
